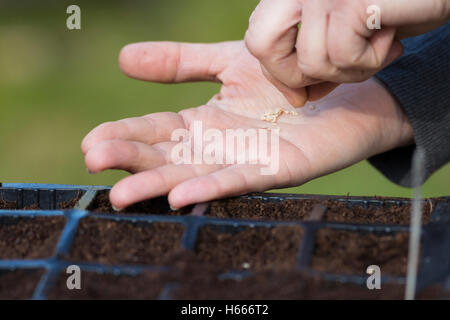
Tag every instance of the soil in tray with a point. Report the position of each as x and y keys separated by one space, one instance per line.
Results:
x=71 y=203
x=112 y=242
x=348 y=252
x=7 y=205
x=108 y=286
x=291 y=209
x=286 y=285
x=160 y=206
x=189 y=278
x=388 y=214
x=65 y=205
x=249 y=248
x=242 y=208
x=29 y=238
x=205 y=284
x=270 y=286
x=19 y=284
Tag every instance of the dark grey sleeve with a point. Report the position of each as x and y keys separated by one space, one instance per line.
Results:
x=420 y=82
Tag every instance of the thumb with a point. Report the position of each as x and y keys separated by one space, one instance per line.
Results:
x=169 y=62
x=297 y=97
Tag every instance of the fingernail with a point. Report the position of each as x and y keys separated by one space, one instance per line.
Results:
x=173 y=208
x=116 y=209
x=89 y=171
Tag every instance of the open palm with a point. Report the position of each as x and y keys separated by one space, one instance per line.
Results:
x=351 y=124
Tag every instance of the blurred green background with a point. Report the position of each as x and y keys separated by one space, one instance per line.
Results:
x=56 y=85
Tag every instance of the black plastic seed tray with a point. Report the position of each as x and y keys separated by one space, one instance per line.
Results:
x=131 y=252
x=29 y=198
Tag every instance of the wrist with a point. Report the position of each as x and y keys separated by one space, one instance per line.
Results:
x=402 y=132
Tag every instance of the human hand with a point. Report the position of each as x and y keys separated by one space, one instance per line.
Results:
x=354 y=122
x=334 y=44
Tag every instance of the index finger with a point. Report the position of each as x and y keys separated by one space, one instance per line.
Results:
x=170 y=62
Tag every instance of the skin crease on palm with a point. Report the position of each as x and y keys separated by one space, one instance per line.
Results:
x=352 y=123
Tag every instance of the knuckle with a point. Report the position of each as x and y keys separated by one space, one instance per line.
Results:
x=342 y=59
x=348 y=60
x=296 y=81
x=310 y=69
x=325 y=72
x=256 y=44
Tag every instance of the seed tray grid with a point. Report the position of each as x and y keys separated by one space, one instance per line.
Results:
x=363 y=201
x=192 y=223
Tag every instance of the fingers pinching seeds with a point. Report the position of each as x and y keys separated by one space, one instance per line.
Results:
x=333 y=44
x=271 y=38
